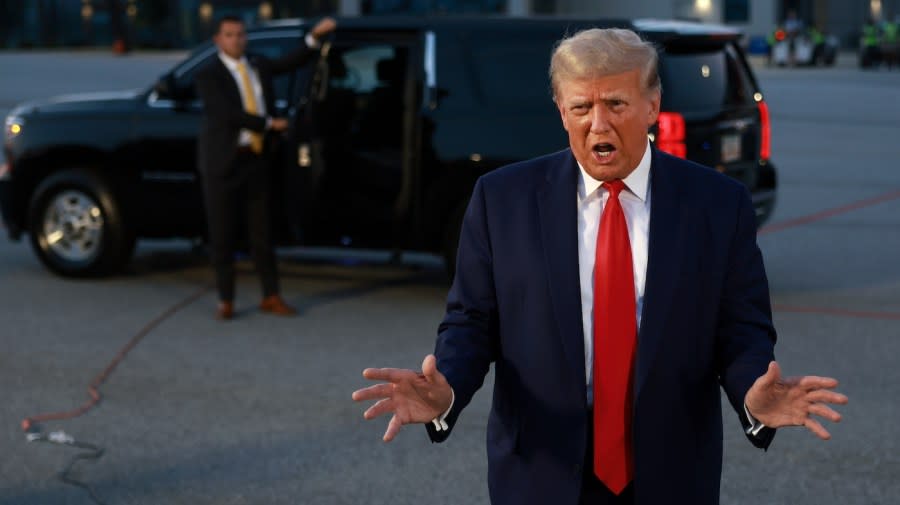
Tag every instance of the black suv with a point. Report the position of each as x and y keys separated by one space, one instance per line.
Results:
x=392 y=126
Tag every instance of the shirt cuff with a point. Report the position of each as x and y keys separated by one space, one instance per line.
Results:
x=311 y=42
x=439 y=422
x=268 y=122
x=755 y=426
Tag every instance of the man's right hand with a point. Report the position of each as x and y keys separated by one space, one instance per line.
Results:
x=278 y=124
x=412 y=397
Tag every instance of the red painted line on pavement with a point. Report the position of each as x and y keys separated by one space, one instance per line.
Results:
x=890 y=316
x=818 y=216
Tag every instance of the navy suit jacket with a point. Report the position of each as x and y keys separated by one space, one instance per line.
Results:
x=515 y=302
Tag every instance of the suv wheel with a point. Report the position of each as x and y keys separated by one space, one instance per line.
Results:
x=76 y=227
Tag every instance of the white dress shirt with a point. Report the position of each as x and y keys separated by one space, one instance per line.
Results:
x=635 y=202
x=232 y=65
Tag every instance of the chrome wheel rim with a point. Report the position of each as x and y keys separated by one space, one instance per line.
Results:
x=73 y=226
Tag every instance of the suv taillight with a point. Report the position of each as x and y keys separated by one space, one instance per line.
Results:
x=765 y=141
x=670 y=137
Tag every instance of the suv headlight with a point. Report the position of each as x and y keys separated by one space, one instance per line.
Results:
x=14 y=126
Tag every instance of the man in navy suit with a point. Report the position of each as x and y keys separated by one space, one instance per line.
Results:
x=236 y=149
x=615 y=289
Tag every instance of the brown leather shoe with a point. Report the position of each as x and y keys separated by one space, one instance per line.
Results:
x=225 y=311
x=275 y=305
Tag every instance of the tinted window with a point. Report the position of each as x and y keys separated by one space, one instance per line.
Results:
x=357 y=69
x=696 y=81
x=512 y=68
x=184 y=74
x=274 y=48
x=453 y=73
x=365 y=94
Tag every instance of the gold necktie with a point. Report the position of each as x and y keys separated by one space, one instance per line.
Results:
x=256 y=139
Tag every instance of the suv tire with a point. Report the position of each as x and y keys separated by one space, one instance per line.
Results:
x=76 y=227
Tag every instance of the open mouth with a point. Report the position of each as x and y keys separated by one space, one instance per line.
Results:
x=604 y=150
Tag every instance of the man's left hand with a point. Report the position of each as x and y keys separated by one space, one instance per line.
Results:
x=777 y=402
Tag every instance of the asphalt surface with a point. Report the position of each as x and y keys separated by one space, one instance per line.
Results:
x=258 y=410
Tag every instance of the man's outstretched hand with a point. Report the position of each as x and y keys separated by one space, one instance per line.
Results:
x=323 y=28
x=412 y=397
x=791 y=401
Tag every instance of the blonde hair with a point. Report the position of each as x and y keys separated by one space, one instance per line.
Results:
x=597 y=52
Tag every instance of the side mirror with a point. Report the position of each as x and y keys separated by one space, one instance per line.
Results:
x=166 y=88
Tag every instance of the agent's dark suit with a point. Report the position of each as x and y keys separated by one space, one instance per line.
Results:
x=515 y=302
x=233 y=180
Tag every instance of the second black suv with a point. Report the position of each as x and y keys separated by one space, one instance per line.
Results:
x=392 y=127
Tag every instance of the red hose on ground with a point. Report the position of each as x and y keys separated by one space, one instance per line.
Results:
x=30 y=424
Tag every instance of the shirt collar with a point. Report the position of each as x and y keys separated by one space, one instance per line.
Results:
x=232 y=63
x=637 y=181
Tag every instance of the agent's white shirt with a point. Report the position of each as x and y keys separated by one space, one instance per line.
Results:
x=256 y=89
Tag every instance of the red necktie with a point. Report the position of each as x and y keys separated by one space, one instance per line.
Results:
x=615 y=337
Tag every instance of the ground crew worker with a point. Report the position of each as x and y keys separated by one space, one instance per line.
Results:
x=871 y=41
x=818 y=42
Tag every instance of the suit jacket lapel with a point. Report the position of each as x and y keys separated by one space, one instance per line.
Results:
x=664 y=254
x=228 y=81
x=559 y=233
